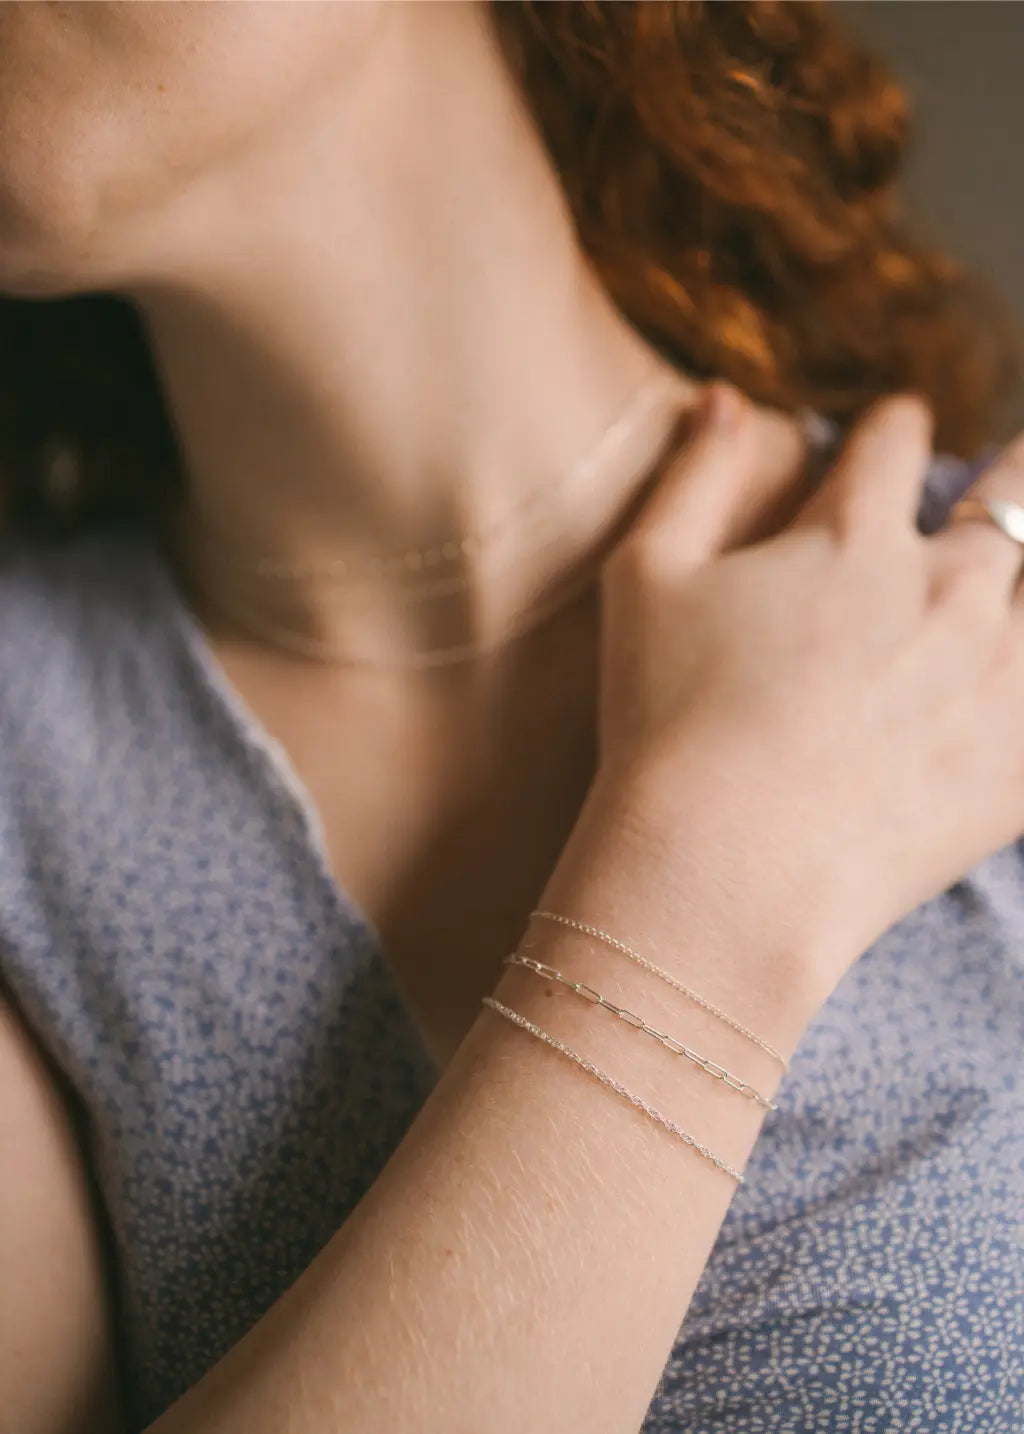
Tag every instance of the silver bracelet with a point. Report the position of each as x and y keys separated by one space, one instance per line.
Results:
x=665 y=976
x=515 y=958
x=607 y=1080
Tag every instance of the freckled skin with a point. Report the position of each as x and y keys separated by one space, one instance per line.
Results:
x=109 y=112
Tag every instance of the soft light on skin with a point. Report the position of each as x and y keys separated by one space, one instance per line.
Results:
x=373 y=322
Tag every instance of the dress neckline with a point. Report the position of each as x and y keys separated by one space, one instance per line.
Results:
x=279 y=773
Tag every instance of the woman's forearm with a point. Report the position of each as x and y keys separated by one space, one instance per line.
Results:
x=527 y=1256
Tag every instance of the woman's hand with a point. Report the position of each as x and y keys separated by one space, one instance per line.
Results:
x=815 y=733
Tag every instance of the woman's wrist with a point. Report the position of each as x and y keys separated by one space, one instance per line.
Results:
x=694 y=1034
x=701 y=904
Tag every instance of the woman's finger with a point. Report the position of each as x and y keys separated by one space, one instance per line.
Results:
x=688 y=514
x=874 y=485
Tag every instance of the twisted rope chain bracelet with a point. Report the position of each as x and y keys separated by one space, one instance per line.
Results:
x=609 y=1081
x=665 y=976
x=631 y=1019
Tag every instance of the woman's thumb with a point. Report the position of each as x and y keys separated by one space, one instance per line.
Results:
x=691 y=510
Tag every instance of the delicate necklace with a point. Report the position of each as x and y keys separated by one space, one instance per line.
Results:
x=821 y=433
x=527 y=619
x=456 y=548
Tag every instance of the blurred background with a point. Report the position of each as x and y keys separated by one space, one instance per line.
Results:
x=962 y=62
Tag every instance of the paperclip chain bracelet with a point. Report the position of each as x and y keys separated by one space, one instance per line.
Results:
x=515 y=958
x=665 y=976
x=608 y=1080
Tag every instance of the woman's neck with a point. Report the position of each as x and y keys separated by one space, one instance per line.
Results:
x=379 y=332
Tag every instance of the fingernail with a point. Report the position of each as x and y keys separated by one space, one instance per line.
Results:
x=723 y=406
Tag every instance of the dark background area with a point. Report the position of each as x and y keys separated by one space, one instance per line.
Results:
x=962 y=63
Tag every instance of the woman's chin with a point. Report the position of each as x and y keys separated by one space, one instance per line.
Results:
x=56 y=238
x=47 y=272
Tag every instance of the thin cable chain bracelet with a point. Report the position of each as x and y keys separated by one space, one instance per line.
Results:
x=632 y=1019
x=665 y=976
x=608 y=1080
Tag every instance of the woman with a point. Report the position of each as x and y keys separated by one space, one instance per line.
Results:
x=424 y=582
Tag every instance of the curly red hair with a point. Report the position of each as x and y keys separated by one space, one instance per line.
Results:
x=732 y=172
